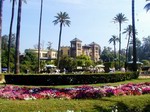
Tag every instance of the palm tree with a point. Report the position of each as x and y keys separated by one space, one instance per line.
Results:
x=114 y=39
x=1 y=7
x=39 y=40
x=120 y=18
x=63 y=19
x=147 y=6
x=17 y=67
x=128 y=31
x=10 y=34
x=134 y=39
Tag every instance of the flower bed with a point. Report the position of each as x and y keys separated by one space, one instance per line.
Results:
x=78 y=92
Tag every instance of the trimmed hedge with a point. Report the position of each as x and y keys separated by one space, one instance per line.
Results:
x=69 y=79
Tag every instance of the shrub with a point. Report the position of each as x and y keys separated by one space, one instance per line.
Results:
x=69 y=79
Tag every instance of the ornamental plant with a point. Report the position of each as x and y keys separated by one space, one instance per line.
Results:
x=77 y=92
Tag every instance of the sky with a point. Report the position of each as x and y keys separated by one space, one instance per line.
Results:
x=91 y=21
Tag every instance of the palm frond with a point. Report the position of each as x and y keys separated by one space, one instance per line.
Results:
x=25 y=1
x=147 y=7
x=62 y=17
x=119 y=18
x=114 y=39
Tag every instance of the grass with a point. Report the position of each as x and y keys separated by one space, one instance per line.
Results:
x=60 y=105
x=86 y=105
x=140 y=80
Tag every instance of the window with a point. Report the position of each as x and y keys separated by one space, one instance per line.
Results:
x=73 y=45
x=44 y=54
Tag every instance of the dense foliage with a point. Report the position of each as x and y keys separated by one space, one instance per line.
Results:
x=5 y=52
x=69 y=79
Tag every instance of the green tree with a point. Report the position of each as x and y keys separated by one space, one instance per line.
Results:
x=17 y=68
x=128 y=31
x=140 y=50
x=64 y=19
x=1 y=7
x=146 y=62
x=84 y=61
x=114 y=39
x=68 y=63
x=120 y=18
x=10 y=34
x=5 y=51
x=145 y=52
x=29 y=62
x=107 y=55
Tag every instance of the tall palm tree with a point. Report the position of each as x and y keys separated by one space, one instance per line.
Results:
x=1 y=7
x=63 y=19
x=39 y=40
x=120 y=18
x=129 y=33
x=17 y=67
x=114 y=39
x=134 y=39
x=10 y=34
x=147 y=6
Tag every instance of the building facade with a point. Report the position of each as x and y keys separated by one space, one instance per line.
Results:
x=44 y=54
x=76 y=49
x=65 y=51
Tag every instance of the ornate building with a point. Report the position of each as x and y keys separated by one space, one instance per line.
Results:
x=76 y=49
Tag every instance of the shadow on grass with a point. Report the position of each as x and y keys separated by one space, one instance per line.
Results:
x=122 y=107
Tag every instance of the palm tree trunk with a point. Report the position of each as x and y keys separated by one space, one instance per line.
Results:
x=115 y=54
x=17 y=67
x=58 y=56
x=10 y=35
x=119 y=43
x=39 y=41
x=134 y=39
x=127 y=48
x=1 y=7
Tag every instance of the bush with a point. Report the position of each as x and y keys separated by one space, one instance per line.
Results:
x=69 y=79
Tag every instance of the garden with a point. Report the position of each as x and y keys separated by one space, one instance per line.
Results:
x=126 y=96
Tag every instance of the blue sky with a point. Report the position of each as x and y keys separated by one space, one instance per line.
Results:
x=91 y=21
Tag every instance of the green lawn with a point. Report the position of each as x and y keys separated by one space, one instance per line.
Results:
x=60 y=105
x=140 y=80
x=127 y=103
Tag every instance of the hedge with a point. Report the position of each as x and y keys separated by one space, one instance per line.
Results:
x=69 y=79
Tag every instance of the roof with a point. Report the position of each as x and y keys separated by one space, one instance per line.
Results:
x=93 y=43
x=75 y=40
x=86 y=46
